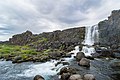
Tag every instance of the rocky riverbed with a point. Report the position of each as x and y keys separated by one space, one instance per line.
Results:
x=102 y=69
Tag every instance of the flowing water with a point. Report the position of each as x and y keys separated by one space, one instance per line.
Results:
x=91 y=37
x=27 y=70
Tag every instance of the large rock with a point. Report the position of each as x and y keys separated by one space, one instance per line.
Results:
x=79 y=56
x=89 y=77
x=75 y=77
x=38 y=77
x=68 y=70
x=84 y=62
x=65 y=76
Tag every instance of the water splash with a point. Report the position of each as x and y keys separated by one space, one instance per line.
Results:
x=47 y=69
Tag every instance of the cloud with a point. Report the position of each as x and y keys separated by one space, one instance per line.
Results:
x=40 y=16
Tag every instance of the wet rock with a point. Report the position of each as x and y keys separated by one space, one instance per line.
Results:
x=96 y=55
x=84 y=62
x=103 y=53
x=89 y=77
x=115 y=64
x=68 y=70
x=62 y=62
x=106 y=53
x=65 y=63
x=75 y=77
x=65 y=76
x=63 y=70
x=90 y=57
x=79 y=56
x=38 y=77
x=116 y=55
x=17 y=59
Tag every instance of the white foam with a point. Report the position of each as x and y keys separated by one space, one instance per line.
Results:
x=91 y=36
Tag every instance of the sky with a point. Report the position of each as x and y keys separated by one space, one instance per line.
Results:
x=17 y=16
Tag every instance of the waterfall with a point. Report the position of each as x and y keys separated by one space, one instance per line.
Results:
x=91 y=37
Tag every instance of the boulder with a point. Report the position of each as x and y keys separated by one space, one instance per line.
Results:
x=63 y=70
x=79 y=56
x=89 y=77
x=84 y=62
x=68 y=70
x=65 y=76
x=38 y=77
x=75 y=77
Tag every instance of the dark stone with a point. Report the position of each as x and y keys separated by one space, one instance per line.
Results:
x=68 y=70
x=79 y=56
x=115 y=64
x=63 y=70
x=116 y=55
x=38 y=77
x=65 y=76
x=90 y=57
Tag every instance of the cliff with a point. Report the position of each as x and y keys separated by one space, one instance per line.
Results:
x=55 y=40
x=109 y=30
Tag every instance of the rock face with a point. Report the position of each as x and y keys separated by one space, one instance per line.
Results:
x=64 y=40
x=75 y=35
x=109 y=30
x=21 y=39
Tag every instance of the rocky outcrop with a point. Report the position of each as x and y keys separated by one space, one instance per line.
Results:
x=109 y=30
x=21 y=39
x=62 y=40
x=74 y=35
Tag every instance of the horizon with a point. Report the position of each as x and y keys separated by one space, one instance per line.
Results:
x=40 y=16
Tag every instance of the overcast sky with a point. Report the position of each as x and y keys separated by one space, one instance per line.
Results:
x=17 y=16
